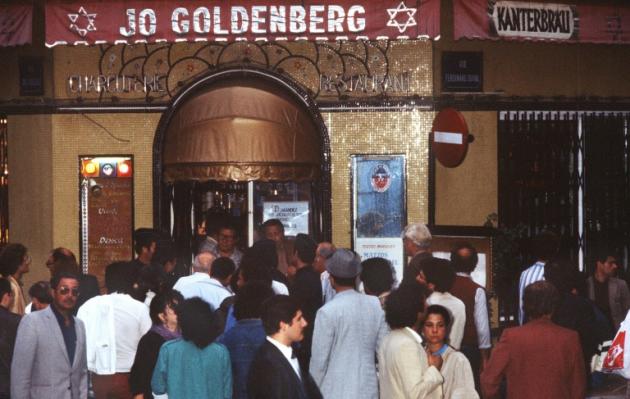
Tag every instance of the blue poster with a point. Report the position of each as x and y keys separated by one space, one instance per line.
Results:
x=379 y=195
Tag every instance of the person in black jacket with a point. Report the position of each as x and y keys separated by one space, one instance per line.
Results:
x=8 y=330
x=306 y=290
x=165 y=328
x=275 y=372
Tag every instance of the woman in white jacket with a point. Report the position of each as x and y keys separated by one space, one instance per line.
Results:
x=458 y=378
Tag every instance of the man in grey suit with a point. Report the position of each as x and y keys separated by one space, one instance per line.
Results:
x=609 y=293
x=348 y=330
x=49 y=359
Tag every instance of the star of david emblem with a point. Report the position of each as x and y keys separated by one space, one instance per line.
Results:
x=401 y=9
x=75 y=20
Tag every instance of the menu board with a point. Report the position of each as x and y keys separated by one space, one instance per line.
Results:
x=107 y=216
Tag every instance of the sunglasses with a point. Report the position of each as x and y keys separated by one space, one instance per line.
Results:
x=67 y=290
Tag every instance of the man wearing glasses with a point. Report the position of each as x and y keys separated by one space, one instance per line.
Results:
x=50 y=358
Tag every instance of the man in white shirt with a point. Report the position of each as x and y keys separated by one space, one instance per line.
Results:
x=201 y=270
x=438 y=275
x=275 y=371
x=211 y=288
x=114 y=324
x=476 y=343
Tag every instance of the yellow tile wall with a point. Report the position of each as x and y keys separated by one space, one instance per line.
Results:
x=30 y=190
x=378 y=132
x=467 y=194
x=99 y=134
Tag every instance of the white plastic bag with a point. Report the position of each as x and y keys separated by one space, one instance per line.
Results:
x=617 y=358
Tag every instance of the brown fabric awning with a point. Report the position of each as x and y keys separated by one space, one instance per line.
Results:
x=242 y=130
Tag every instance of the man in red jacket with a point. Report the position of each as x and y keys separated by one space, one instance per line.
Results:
x=540 y=359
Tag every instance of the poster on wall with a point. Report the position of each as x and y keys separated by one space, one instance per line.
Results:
x=292 y=214
x=379 y=214
x=106 y=201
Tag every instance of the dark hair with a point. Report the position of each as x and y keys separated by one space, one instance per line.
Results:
x=252 y=271
x=41 y=291
x=65 y=264
x=227 y=225
x=273 y=222
x=403 y=305
x=11 y=258
x=345 y=281
x=377 y=275
x=214 y=221
x=540 y=299
x=61 y=253
x=197 y=321
x=248 y=302
x=444 y=312
x=545 y=245
x=57 y=277
x=602 y=252
x=438 y=272
x=222 y=268
x=5 y=287
x=143 y=237
x=464 y=264
x=305 y=247
x=278 y=308
x=170 y=298
x=164 y=252
x=264 y=253
x=562 y=275
x=119 y=277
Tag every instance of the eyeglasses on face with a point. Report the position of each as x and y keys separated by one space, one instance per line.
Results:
x=67 y=290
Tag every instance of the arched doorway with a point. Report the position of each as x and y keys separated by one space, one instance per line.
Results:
x=239 y=141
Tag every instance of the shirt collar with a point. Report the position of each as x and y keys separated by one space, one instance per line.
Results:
x=59 y=316
x=287 y=351
x=414 y=334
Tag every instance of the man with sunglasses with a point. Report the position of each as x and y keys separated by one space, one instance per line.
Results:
x=50 y=359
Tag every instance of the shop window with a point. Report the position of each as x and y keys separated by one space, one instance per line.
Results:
x=567 y=172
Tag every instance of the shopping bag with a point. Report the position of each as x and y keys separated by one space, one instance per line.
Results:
x=617 y=359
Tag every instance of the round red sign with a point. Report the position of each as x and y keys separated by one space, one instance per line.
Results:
x=449 y=137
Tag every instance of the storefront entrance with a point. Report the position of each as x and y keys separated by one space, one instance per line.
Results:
x=244 y=144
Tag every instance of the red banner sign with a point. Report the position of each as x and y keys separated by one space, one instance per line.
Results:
x=116 y=21
x=518 y=20
x=16 y=25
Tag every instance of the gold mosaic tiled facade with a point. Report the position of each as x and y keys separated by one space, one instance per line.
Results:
x=400 y=70
x=372 y=132
x=335 y=71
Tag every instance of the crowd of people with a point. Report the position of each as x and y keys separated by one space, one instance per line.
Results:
x=293 y=318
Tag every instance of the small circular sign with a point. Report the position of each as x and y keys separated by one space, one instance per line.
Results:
x=449 y=137
x=381 y=178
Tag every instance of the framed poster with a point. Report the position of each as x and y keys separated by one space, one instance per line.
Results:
x=379 y=210
x=106 y=200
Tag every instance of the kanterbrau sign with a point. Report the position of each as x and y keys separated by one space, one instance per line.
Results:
x=99 y=22
x=599 y=22
x=536 y=20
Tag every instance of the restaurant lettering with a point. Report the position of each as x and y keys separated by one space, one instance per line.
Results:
x=78 y=84
x=399 y=83
x=536 y=20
